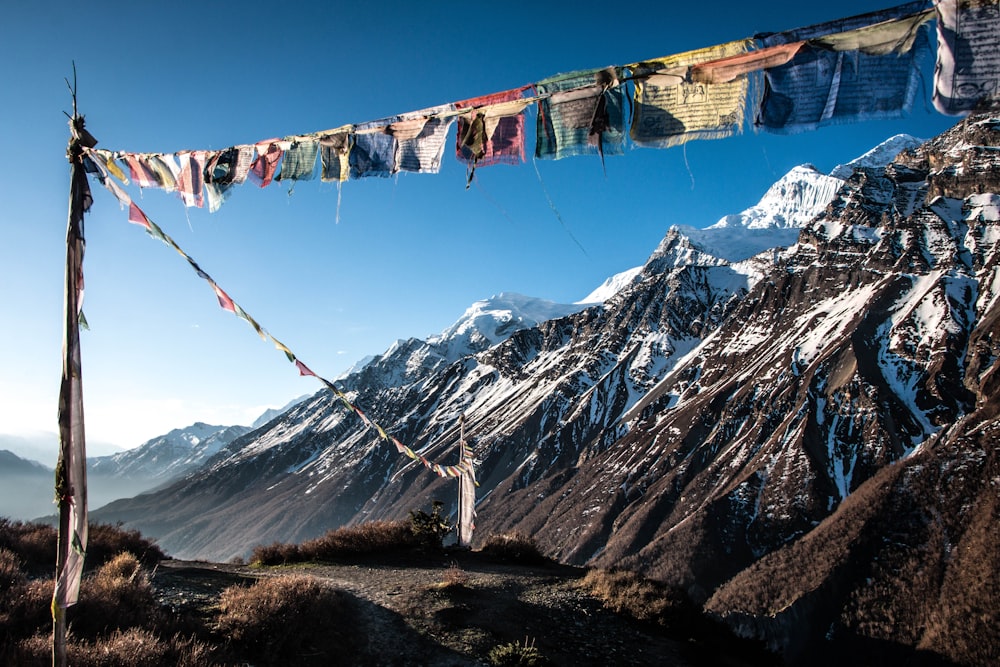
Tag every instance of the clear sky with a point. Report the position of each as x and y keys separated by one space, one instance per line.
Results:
x=408 y=255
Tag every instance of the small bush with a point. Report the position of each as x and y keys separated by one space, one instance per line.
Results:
x=10 y=570
x=515 y=654
x=34 y=543
x=287 y=620
x=25 y=608
x=645 y=599
x=514 y=547
x=430 y=529
x=107 y=542
x=118 y=596
x=276 y=554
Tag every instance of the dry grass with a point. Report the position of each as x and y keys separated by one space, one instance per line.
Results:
x=129 y=648
x=343 y=543
x=515 y=547
x=629 y=593
x=286 y=620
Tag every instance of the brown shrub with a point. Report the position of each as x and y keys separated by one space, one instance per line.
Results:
x=107 y=542
x=276 y=554
x=118 y=596
x=653 y=601
x=10 y=570
x=25 y=608
x=343 y=543
x=515 y=547
x=35 y=544
x=287 y=620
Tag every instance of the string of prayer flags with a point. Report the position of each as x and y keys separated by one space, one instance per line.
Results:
x=97 y=164
x=968 y=62
x=820 y=85
x=580 y=114
x=492 y=130
x=670 y=108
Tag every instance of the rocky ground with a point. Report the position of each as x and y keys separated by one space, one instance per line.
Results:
x=453 y=609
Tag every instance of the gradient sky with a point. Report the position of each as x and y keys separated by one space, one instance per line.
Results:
x=408 y=255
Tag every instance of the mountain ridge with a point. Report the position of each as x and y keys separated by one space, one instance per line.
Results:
x=700 y=424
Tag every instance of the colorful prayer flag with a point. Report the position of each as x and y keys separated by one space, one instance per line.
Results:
x=373 y=152
x=335 y=149
x=299 y=163
x=821 y=86
x=582 y=115
x=420 y=138
x=728 y=69
x=268 y=156
x=670 y=108
x=492 y=130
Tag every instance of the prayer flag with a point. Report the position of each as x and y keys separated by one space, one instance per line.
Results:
x=335 y=147
x=224 y=300
x=299 y=163
x=728 y=69
x=492 y=129
x=142 y=175
x=268 y=156
x=189 y=183
x=160 y=166
x=71 y=469
x=671 y=108
x=466 y=491
x=582 y=115
x=373 y=152
x=420 y=138
x=136 y=216
x=303 y=369
x=967 y=74
x=820 y=86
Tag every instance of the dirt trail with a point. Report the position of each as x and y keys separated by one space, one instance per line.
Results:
x=454 y=610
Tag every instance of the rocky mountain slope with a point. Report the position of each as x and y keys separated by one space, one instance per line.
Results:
x=796 y=438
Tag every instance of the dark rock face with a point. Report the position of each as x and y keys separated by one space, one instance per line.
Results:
x=805 y=441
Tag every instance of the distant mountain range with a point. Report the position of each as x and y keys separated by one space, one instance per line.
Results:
x=791 y=414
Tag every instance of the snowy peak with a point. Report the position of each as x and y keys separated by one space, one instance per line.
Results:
x=790 y=203
x=880 y=156
x=612 y=286
x=492 y=320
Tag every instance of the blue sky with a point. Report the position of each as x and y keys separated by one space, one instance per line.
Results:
x=408 y=255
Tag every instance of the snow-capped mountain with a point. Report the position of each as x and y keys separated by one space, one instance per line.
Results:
x=804 y=440
x=168 y=456
x=879 y=156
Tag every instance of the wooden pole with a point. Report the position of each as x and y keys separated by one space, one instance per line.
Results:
x=71 y=471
